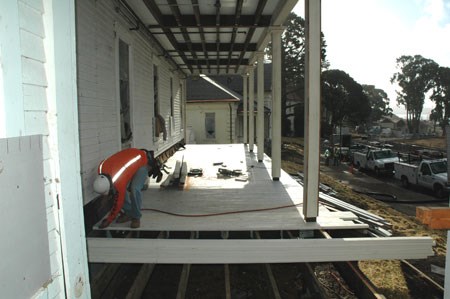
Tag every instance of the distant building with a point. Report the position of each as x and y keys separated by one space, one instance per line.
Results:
x=393 y=124
x=215 y=107
x=211 y=111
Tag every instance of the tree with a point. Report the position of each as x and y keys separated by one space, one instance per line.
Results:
x=343 y=100
x=415 y=77
x=379 y=102
x=293 y=64
x=441 y=97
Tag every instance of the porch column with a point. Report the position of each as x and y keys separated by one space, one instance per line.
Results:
x=251 y=108
x=260 y=115
x=276 y=103
x=245 y=107
x=312 y=110
x=62 y=86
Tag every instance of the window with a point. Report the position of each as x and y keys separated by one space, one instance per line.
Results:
x=181 y=105
x=171 y=120
x=425 y=169
x=210 y=125
x=155 y=90
x=124 y=92
x=171 y=97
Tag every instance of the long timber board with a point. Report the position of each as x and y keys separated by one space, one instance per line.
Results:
x=177 y=251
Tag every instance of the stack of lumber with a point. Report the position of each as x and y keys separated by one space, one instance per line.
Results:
x=434 y=217
x=178 y=177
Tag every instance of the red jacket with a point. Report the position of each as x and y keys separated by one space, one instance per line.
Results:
x=120 y=168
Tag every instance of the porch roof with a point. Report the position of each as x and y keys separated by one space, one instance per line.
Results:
x=212 y=36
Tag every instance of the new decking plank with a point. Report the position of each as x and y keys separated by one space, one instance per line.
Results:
x=210 y=194
x=256 y=251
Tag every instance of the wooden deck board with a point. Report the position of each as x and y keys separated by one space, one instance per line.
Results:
x=104 y=250
x=213 y=194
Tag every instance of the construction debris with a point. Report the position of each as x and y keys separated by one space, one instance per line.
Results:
x=434 y=217
x=229 y=173
x=195 y=172
x=178 y=177
x=377 y=225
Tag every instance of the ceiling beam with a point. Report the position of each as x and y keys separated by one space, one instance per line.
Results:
x=199 y=47
x=258 y=13
x=196 y=8
x=217 y=5
x=154 y=10
x=218 y=62
x=209 y=21
x=236 y=24
x=177 y=13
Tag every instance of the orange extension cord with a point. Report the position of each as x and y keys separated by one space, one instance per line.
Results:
x=223 y=213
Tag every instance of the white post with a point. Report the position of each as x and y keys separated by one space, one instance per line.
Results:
x=260 y=115
x=60 y=44
x=312 y=110
x=276 y=103
x=12 y=121
x=251 y=108
x=63 y=85
x=245 y=110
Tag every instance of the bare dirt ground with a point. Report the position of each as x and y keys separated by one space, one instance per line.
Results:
x=387 y=276
x=436 y=142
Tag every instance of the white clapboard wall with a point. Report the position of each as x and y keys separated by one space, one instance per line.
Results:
x=25 y=246
x=99 y=26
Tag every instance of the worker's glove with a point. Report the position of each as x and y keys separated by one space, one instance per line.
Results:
x=157 y=171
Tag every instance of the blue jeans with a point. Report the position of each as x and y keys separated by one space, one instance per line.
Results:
x=133 y=199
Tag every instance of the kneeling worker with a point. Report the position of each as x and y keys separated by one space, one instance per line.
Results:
x=127 y=169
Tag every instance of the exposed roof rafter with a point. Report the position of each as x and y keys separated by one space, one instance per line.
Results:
x=250 y=33
x=214 y=36
x=176 y=12
x=154 y=10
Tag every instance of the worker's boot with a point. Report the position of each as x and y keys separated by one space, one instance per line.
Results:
x=123 y=218
x=135 y=223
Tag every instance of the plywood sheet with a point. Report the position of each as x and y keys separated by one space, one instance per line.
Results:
x=25 y=245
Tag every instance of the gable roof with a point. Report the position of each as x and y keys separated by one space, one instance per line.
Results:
x=204 y=89
x=222 y=88
x=235 y=82
x=391 y=119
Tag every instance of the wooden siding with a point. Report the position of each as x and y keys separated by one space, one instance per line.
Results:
x=38 y=115
x=36 y=109
x=26 y=248
x=98 y=27
x=38 y=68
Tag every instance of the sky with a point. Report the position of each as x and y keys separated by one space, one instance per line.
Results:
x=365 y=37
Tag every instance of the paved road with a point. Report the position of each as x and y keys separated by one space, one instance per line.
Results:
x=369 y=182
